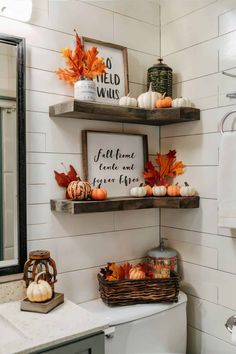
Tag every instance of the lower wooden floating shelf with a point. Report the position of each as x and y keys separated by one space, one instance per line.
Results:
x=125 y=203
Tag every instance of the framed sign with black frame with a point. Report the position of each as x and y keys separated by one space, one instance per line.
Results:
x=115 y=161
x=114 y=84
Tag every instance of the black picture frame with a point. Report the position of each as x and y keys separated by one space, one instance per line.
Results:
x=21 y=145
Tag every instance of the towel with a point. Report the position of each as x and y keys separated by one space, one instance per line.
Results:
x=227 y=181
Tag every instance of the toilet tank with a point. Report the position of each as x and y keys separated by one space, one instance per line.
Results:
x=144 y=329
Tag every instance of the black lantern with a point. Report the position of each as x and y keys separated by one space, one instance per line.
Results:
x=160 y=76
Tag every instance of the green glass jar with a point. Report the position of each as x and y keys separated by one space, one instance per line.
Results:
x=160 y=75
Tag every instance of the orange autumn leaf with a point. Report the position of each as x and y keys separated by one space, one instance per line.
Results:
x=80 y=63
x=168 y=167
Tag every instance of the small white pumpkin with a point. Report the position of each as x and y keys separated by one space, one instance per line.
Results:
x=148 y=99
x=187 y=190
x=128 y=101
x=181 y=102
x=159 y=191
x=138 y=192
x=39 y=290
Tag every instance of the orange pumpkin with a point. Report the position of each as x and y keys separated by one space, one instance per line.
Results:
x=98 y=193
x=173 y=190
x=148 y=190
x=164 y=102
x=137 y=273
x=78 y=190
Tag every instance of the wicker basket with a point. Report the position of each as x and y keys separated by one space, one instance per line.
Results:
x=128 y=292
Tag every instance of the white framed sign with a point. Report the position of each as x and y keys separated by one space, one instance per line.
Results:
x=115 y=161
x=112 y=85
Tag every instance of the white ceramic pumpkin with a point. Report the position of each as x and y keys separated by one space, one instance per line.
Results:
x=181 y=102
x=159 y=191
x=187 y=190
x=148 y=99
x=138 y=192
x=39 y=290
x=128 y=101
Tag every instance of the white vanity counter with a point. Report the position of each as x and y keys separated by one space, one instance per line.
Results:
x=25 y=332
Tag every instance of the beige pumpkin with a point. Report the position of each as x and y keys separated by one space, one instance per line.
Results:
x=181 y=102
x=79 y=190
x=187 y=190
x=138 y=192
x=148 y=99
x=128 y=101
x=39 y=290
x=159 y=191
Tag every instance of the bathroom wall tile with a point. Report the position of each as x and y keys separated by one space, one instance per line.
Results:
x=43 y=37
x=100 y=25
x=36 y=173
x=136 y=218
x=185 y=31
x=40 y=101
x=35 y=142
x=203 y=92
x=72 y=253
x=196 y=176
x=152 y=135
x=209 y=317
x=194 y=150
x=200 y=342
x=129 y=33
x=209 y=123
x=227 y=22
x=44 y=59
x=37 y=194
x=138 y=64
x=195 y=219
x=147 y=11
x=171 y=10
x=137 y=89
x=203 y=58
x=227 y=51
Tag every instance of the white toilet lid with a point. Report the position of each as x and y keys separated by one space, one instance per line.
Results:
x=122 y=314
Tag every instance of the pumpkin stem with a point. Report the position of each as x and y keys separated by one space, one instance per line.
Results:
x=163 y=96
x=141 y=185
x=128 y=94
x=186 y=184
x=38 y=275
x=150 y=87
x=99 y=186
x=79 y=179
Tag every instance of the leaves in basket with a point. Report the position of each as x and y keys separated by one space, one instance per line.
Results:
x=116 y=272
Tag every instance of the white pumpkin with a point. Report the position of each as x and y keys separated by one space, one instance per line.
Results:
x=148 y=99
x=128 y=101
x=39 y=290
x=181 y=102
x=138 y=192
x=187 y=191
x=159 y=191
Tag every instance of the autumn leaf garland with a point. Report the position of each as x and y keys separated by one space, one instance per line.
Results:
x=168 y=168
x=80 y=63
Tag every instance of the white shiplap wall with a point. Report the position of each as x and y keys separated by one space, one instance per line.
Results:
x=81 y=244
x=198 y=42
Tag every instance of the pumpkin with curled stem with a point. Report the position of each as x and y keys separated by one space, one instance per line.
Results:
x=163 y=102
x=137 y=272
x=148 y=99
x=39 y=290
x=98 y=193
x=187 y=190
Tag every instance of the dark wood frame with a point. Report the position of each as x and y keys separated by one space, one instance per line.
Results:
x=125 y=56
x=21 y=121
x=85 y=146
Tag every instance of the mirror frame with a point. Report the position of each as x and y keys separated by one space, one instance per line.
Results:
x=21 y=145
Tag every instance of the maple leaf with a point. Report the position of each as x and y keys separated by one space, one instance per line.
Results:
x=124 y=271
x=94 y=66
x=171 y=154
x=64 y=179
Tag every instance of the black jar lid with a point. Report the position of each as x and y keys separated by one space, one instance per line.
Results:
x=161 y=65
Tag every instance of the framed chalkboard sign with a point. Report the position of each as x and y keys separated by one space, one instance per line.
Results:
x=115 y=161
x=112 y=85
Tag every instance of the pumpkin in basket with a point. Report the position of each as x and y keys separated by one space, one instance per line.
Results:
x=137 y=272
x=78 y=190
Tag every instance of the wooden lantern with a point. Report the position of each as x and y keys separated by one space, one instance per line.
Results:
x=39 y=261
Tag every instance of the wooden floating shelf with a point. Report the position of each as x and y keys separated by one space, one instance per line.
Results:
x=123 y=114
x=125 y=203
